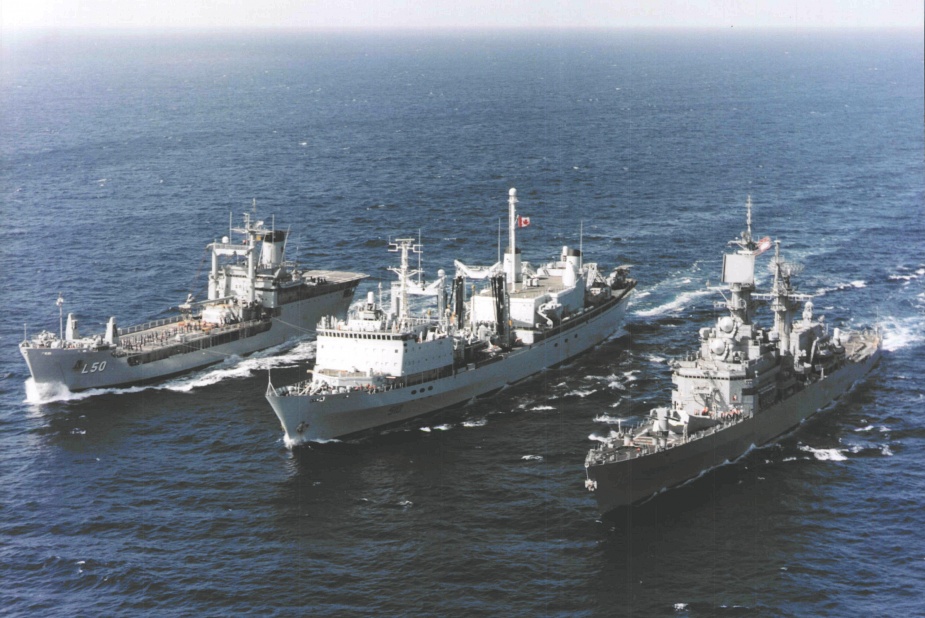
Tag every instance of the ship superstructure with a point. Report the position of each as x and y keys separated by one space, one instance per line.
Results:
x=256 y=299
x=495 y=325
x=744 y=386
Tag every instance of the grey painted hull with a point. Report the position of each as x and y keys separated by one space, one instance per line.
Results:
x=625 y=482
x=314 y=418
x=78 y=369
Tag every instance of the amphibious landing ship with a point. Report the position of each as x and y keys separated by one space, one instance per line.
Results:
x=744 y=387
x=256 y=299
x=381 y=367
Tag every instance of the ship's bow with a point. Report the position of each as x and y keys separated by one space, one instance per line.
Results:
x=45 y=364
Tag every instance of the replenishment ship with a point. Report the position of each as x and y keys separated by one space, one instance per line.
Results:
x=744 y=387
x=256 y=300
x=498 y=325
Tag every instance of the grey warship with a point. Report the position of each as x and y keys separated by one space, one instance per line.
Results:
x=256 y=299
x=744 y=387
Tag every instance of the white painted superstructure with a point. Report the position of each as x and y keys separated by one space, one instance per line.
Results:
x=497 y=325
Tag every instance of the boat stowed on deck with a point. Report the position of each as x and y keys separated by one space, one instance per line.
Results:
x=744 y=387
x=256 y=299
x=379 y=368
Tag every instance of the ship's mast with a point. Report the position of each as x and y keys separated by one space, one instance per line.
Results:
x=420 y=267
x=60 y=303
x=780 y=305
x=512 y=236
x=251 y=257
x=739 y=271
x=783 y=298
x=748 y=219
x=581 y=245
x=227 y=247
x=404 y=245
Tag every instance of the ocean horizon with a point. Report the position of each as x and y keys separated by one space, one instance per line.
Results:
x=123 y=155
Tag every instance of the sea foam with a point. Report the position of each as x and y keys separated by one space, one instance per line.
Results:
x=824 y=454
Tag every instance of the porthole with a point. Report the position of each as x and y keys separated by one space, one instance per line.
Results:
x=414 y=392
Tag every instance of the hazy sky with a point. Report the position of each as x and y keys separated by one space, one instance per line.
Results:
x=418 y=14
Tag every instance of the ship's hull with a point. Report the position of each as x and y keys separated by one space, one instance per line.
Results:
x=83 y=369
x=625 y=482
x=316 y=418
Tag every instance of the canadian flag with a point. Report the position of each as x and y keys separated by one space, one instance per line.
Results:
x=763 y=245
x=523 y=221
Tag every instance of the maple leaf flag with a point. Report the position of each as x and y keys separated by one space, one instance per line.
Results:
x=523 y=221
x=763 y=245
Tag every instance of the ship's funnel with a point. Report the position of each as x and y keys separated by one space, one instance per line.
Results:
x=70 y=332
x=112 y=333
x=512 y=266
x=570 y=275
x=271 y=253
x=395 y=298
x=571 y=260
x=661 y=414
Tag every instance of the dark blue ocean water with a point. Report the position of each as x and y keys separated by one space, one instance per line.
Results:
x=121 y=158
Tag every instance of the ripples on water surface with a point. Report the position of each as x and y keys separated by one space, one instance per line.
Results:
x=121 y=159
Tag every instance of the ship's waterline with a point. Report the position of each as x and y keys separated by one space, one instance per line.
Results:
x=744 y=387
x=383 y=367
x=350 y=413
x=256 y=300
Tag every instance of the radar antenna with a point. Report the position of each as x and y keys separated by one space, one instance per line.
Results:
x=404 y=245
x=783 y=297
x=785 y=269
